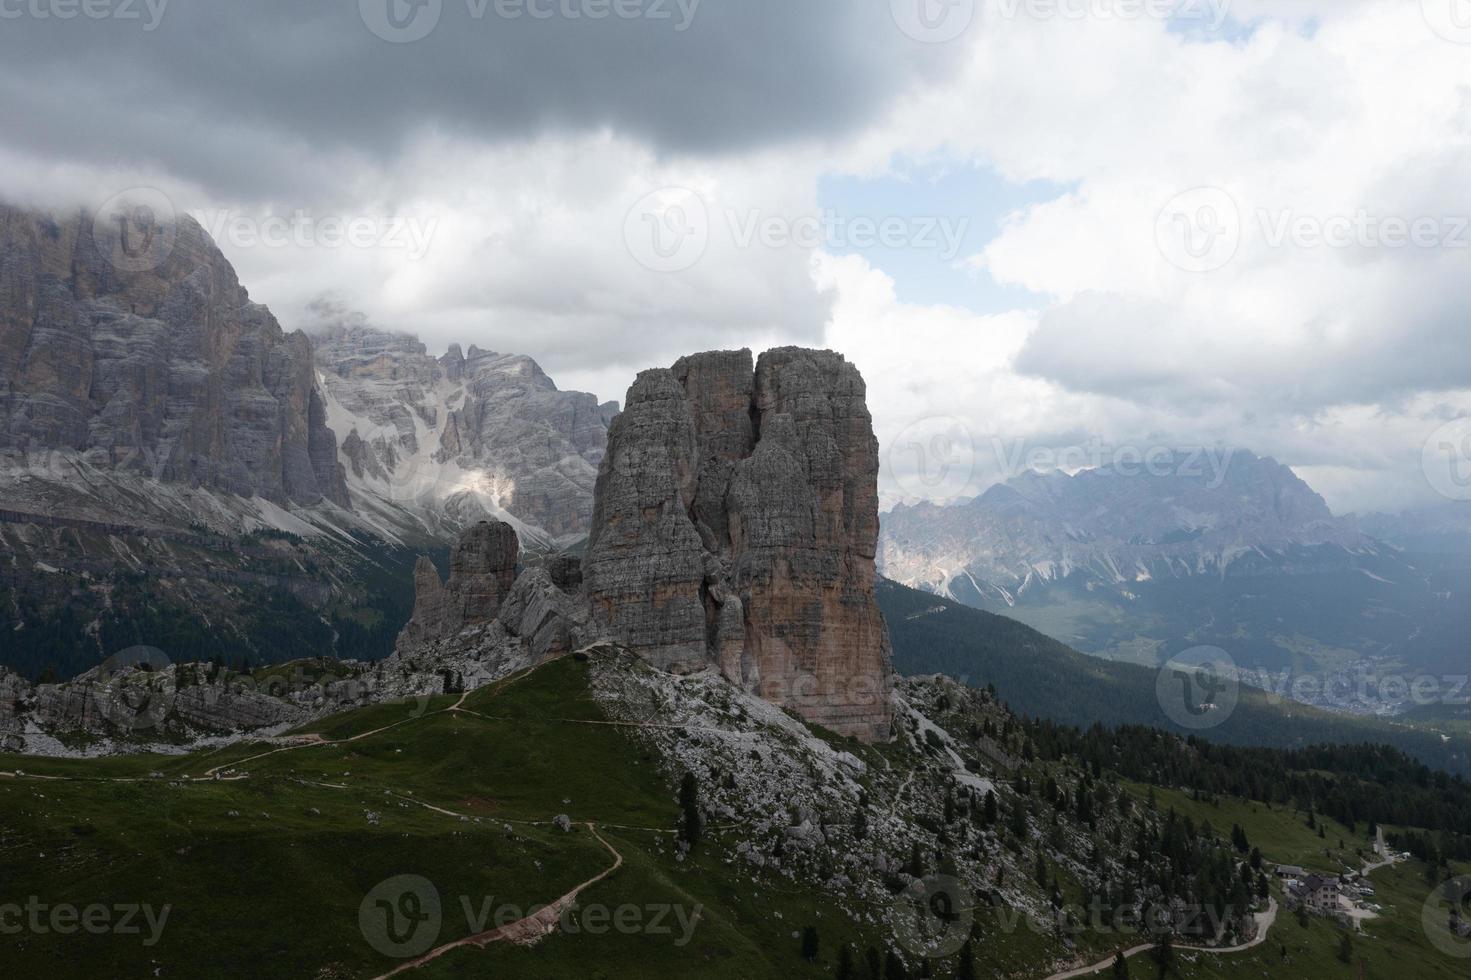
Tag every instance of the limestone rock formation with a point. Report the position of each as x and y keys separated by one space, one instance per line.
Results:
x=482 y=571
x=462 y=437
x=163 y=367
x=735 y=524
x=549 y=621
x=486 y=620
x=167 y=706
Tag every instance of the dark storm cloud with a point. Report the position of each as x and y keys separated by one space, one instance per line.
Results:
x=199 y=86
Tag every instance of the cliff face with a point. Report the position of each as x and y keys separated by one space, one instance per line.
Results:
x=736 y=522
x=159 y=365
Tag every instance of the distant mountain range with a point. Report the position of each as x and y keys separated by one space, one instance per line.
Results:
x=1442 y=530
x=1140 y=566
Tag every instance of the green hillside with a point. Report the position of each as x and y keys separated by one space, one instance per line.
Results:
x=273 y=868
x=325 y=855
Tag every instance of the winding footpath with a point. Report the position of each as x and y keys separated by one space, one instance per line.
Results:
x=1264 y=922
x=523 y=931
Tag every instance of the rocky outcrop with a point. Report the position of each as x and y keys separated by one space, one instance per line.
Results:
x=462 y=437
x=160 y=366
x=486 y=619
x=735 y=524
x=482 y=571
x=126 y=708
x=549 y=621
x=645 y=563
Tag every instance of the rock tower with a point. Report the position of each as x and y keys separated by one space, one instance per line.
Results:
x=735 y=523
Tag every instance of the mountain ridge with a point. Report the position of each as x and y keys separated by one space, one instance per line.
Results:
x=439 y=443
x=1139 y=565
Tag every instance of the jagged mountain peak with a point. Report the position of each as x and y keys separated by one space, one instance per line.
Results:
x=1162 y=515
x=1170 y=490
x=1153 y=555
x=437 y=443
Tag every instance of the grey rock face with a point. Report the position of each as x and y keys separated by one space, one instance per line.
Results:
x=510 y=409
x=645 y=562
x=483 y=568
x=171 y=372
x=736 y=523
x=550 y=622
x=565 y=571
x=462 y=437
x=385 y=391
x=486 y=613
x=175 y=703
x=482 y=571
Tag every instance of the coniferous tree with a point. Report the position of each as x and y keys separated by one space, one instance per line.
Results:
x=915 y=866
x=691 y=824
x=1164 y=955
x=966 y=970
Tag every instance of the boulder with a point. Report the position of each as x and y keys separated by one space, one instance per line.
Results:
x=550 y=622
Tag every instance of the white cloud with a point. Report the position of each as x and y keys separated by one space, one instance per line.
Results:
x=1351 y=116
